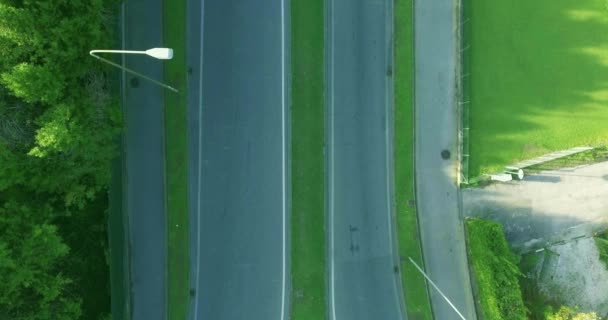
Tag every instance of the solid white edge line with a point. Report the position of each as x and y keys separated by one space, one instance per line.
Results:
x=331 y=176
x=283 y=133
x=200 y=168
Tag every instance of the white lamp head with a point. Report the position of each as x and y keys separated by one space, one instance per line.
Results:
x=160 y=53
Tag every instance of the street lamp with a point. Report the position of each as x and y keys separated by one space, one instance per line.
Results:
x=436 y=288
x=158 y=53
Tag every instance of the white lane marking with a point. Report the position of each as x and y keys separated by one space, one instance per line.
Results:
x=331 y=165
x=200 y=168
x=283 y=289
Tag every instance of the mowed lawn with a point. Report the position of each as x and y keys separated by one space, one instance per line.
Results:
x=538 y=78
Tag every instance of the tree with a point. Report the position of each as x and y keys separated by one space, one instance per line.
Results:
x=34 y=83
x=31 y=254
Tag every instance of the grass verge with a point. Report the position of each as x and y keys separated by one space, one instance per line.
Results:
x=176 y=161
x=307 y=160
x=538 y=70
x=595 y=155
x=120 y=283
x=117 y=240
x=414 y=285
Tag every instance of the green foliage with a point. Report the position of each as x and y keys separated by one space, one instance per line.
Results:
x=31 y=254
x=85 y=232
x=17 y=129
x=496 y=271
x=59 y=137
x=601 y=241
x=58 y=127
x=566 y=313
x=34 y=83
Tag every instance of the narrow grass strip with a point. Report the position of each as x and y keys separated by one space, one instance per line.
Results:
x=120 y=283
x=307 y=114
x=414 y=286
x=176 y=161
x=117 y=242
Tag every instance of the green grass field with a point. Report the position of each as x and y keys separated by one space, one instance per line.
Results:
x=176 y=164
x=537 y=78
x=414 y=285
x=308 y=184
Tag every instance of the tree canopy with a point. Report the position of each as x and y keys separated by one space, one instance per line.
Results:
x=58 y=133
x=31 y=254
x=58 y=127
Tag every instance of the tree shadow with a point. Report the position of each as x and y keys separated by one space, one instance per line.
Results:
x=543 y=178
x=538 y=77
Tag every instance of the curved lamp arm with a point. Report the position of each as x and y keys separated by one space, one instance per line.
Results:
x=159 y=53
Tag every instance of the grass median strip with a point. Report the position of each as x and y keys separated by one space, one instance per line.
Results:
x=308 y=183
x=176 y=157
x=416 y=295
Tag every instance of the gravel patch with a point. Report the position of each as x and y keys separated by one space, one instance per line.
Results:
x=578 y=279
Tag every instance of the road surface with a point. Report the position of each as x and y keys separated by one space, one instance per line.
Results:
x=144 y=141
x=238 y=138
x=363 y=283
x=441 y=224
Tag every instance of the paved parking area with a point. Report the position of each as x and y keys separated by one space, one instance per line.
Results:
x=544 y=204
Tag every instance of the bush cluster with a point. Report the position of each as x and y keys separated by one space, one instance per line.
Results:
x=496 y=271
x=601 y=241
x=58 y=127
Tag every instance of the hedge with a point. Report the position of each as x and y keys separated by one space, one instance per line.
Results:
x=496 y=271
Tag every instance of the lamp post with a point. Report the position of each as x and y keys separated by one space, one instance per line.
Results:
x=436 y=288
x=158 y=53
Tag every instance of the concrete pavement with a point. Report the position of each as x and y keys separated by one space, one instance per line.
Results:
x=441 y=225
x=238 y=135
x=362 y=259
x=544 y=205
x=144 y=141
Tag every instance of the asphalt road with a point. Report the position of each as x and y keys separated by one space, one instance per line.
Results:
x=238 y=135
x=362 y=256
x=441 y=224
x=144 y=143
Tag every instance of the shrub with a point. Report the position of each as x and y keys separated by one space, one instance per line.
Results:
x=566 y=313
x=496 y=271
x=601 y=241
